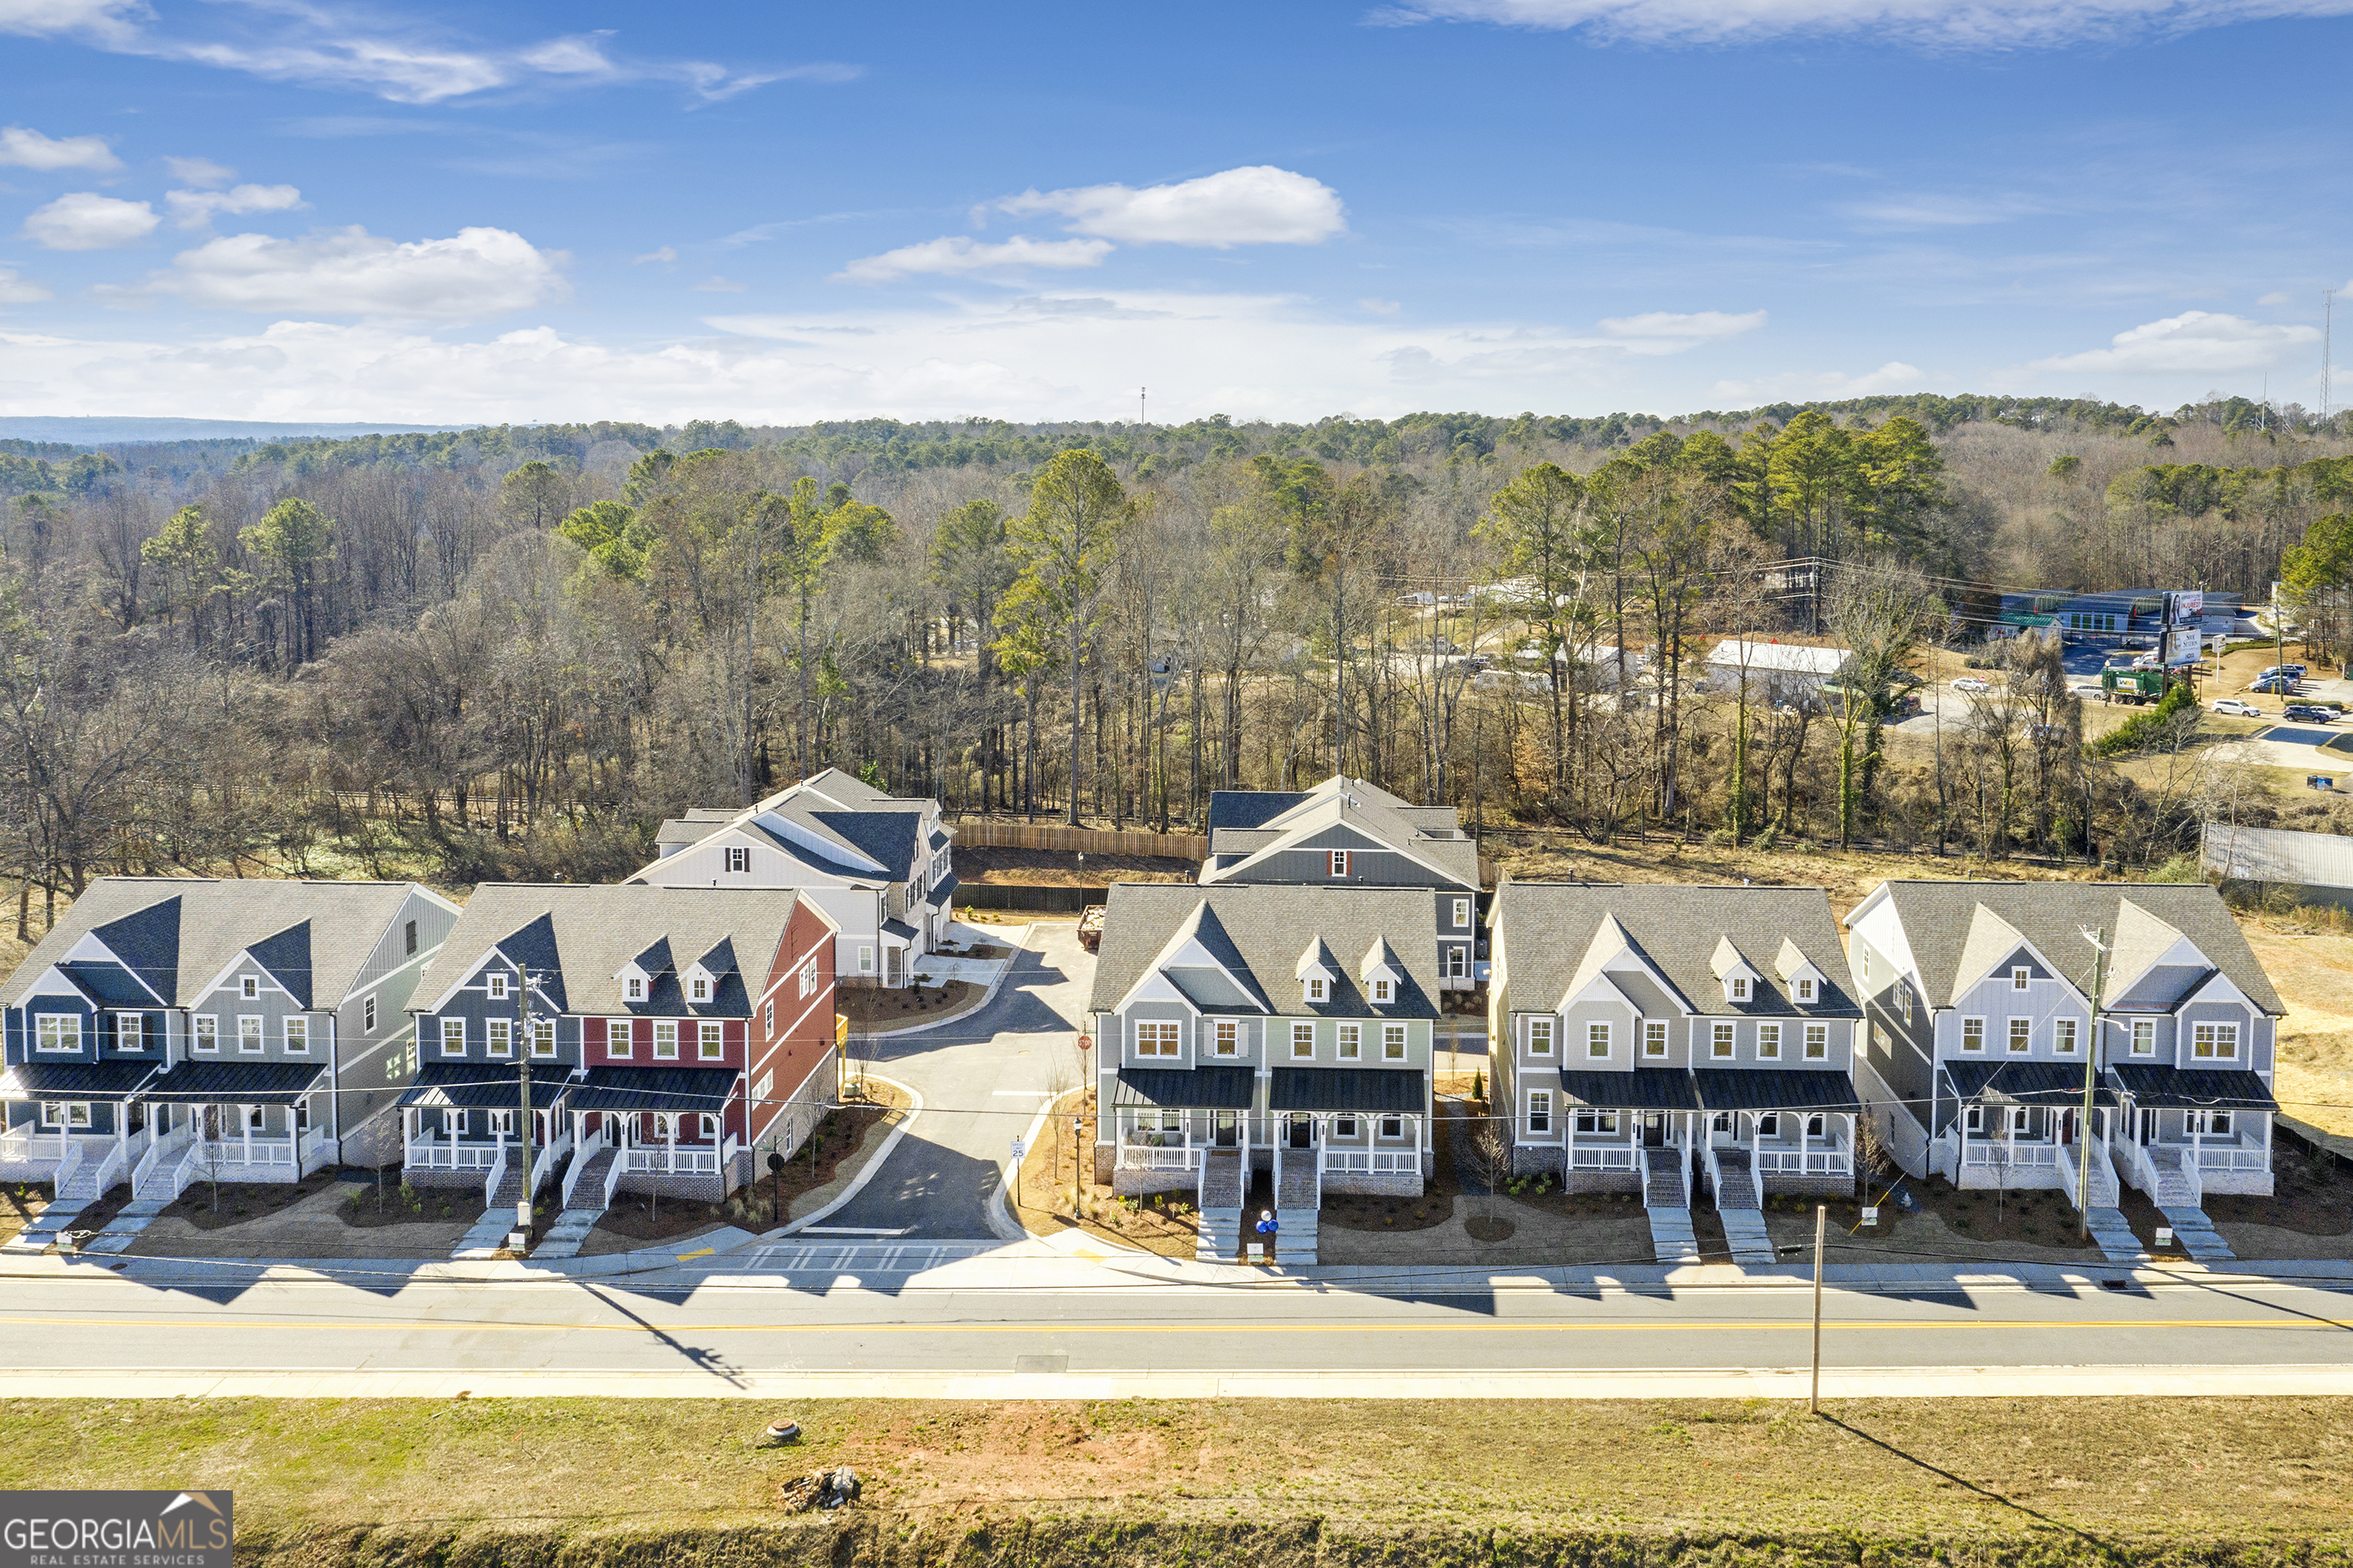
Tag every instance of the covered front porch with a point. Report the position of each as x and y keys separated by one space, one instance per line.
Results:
x=72 y=1123
x=1795 y=1129
x=2194 y=1131
x=1366 y=1128
x=670 y=1129
x=1165 y=1120
x=2019 y=1124
x=1606 y=1120
x=233 y=1121
x=458 y=1127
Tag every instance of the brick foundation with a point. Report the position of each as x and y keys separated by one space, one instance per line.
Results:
x=1135 y=1184
x=1384 y=1184
x=1536 y=1160
x=1809 y=1186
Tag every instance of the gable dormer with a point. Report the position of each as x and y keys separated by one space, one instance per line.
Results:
x=1806 y=982
x=1381 y=975
x=1318 y=972
x=1741 y=979
x=1200 y=966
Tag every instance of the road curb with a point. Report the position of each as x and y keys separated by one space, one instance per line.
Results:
x=857 y=1183
x=1019 y=946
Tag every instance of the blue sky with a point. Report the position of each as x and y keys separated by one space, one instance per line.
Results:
x=290 y=209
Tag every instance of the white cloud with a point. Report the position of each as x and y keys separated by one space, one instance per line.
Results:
x=1672 y=331
x=2274 y=298
x=194 y=210
x=1257 y=205
x=83 y=221
x=1936 y=211
x=2193 y=342
x=103 y=19
x=1963 y=24
x=665 y=253
x=960 y=254
x=19 y=290
x=715 y=285
x=1893 y=376
x=1381 y=307
x=26 y=148
x=350 y=272
x=202 y=173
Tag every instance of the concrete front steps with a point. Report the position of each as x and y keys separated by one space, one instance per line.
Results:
x=565 y=1237
x=1745 y=1232
x=1220 y=1203
x=2113 y=1235
x=1295 y=1242
x=1672 y=1240
x=2196 y=1232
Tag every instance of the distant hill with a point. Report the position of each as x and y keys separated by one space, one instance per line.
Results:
x=107 y=430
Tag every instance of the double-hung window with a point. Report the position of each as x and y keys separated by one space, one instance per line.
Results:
x=453 y=1037
x=768 y=1017
x=1739 y=986
x=1302 y=1040
x=206 y=1040
x=713 y=1046
x=2063 y=1036
x=64 y=1113
x=1351 y=1042
x=703 y=988
x=1904 y=998
x=1769 y=1042
x=1539 y=1112
x=1654 y=1039
x=1597 y=1040
x=59 y=1031
x=1381 y=991
x=1720 y=1045
x=2019 y=977
x=1805 y=987
x=298 y=1036
x=367 y=1016
x=1462 y=913
x=542 y=1037
x=665 y=1039
x=1392 y=1042
x=1539 y=1036
x=498 y=1037
x=1316 y=987
x=2021 y=1036
x=1156 y=1040
x=739 y=858
x=1227 y=1039
x=1339 y=862
x=809 y=981
x=617 y=1032
x=1458 y=962
x=1818 y=1041
x=2213 y=1041
x=2144 y=1037
x=1972 y=1034
x=248 y=1034
x=130 y=1031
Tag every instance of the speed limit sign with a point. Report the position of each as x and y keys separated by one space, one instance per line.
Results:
x=1086 y=1042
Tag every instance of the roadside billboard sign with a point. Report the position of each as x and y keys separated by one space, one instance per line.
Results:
x=2188 y=608
x=2181 y=646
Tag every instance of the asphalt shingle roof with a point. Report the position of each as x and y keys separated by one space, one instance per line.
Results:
x=1548 y=931
x=855 y=819
x=1267 y=927
x=176 y=933
x=1938 y=918
x=1244 y=822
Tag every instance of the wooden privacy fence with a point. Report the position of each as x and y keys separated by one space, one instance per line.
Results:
x=1028 y=898
x=972 y=834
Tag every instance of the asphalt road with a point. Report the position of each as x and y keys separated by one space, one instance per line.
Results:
x=982 y=1078
x=800 y=1320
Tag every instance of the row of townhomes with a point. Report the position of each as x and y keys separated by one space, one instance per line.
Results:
x=878 y=864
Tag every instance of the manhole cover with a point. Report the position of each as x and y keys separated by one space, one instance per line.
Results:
x=1488 y=1228
x=1052 y=1363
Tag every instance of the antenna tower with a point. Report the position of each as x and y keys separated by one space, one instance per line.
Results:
x=2327 y=322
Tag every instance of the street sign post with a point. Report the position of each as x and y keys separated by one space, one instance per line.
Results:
x=1020 y=1148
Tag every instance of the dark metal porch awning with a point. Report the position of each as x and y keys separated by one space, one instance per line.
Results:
x=2023 y=1083
x=2154 y=1087
x=238 y=1083
x=442 y=1085
x=1643 y=1089
x=1184 y=1088
x=706 y=1089
x=1774 y=1089
x=112 y=1080
x=1372 y=1090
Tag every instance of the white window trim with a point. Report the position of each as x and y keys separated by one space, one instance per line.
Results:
x=1159 y=1041
x=1723 y=1042
x=739 y=859
x=497 y=982
x=2017 y=1042
x=2139 y=1025
x=1339 y=865
x=2019 y=976
x=260 y=1040
x=1968 y=1049
x=50 y=1034
x=1393 y=1042
x=250 y=988
x=1315 y=988
x=551 y=1036
x=1769 y=1042
x=1351 y=1045
x=1805 y=987
x=292 y=1027
x=660 y=1026
x=703 y=988
x=1540 y=1031
x=637 y=989
x=2225 y=1034
x=1381 y=991
x=1462 y=913
x=138 y=1023
x=1817 y=1046
x=1227 y=1038
x=203 y=1034
x=628 y=1043
x=498 y=1039
x=453 y=1037
x=1655 y=1030
x=1736 y=987
x=710 y=1045
x=1539 y=1109
x=2065 y=1034
x=1302 y=1034
x=1604 y=1031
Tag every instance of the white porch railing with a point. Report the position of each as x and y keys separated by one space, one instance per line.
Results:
x=1156 y=1157
x=2233 y=1156
x=498 y=1175
x=26 y=1146
x=245 y=1154
x=667 y=1159
x=1601 y=1157
x=69 y=1165
x=1372 y=1161
x=1988 y=1152
x=1827 y=1159
x=546 y=1160
x=183 y=1173
x=613 y=1175
x=434 y=1154
x=111 y=1168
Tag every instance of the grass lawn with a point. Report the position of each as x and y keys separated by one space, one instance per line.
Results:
x=2077 y=1473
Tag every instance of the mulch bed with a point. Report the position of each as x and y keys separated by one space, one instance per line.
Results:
x=403 y=1205
x=2312 y=1193
x=879 y=1004
x=643 y=1217
x=2037 y=1216
x=243 y=1201
x=1361 y=1212
x=20 y=1205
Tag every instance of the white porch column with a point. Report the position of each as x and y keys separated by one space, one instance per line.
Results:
x=1805 y=1140
x=1568 y=1138
x=671 y=1154
x=245 y=1123
x=2197 y=1136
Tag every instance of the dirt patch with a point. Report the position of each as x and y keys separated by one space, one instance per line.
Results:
x=367 y=1208
x=1363 y=1212
x=2031 y=1227
x=1062 y=868
x=1059 y=1165
x=238 y=1202
x=643 y=1217
x=2313 y=971
x=2312 y=1195
x=884 y=1007
x=20 y=1205
x=1490 y=1228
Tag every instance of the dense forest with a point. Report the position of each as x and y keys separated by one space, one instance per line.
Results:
x=511 y=650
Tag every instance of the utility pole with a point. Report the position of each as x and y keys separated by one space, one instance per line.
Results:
x=1821 y=1231
x=2099 y=940
x=522 y=1084
x=1139 y=403
x=2327 y=322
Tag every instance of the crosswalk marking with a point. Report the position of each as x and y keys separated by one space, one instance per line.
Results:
x=864 y=1258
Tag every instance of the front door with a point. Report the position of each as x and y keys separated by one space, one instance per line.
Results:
x=1654 y=1129
x=1224 y=1133
x=1302 y=1132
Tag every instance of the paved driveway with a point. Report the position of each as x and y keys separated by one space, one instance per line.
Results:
x=983 y=1078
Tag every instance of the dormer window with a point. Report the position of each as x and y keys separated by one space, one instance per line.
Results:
x=703 y=988
x=1316 y=987
x=1339 y=862
x=498 y=988
x=1381 y=991
x=2019 y=977
x=739 y=858
x=252 y=987
x=1739 y=987
x=1805 y=987
x=637 y=988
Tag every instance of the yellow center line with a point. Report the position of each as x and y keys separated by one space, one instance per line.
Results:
x=1800 y=1325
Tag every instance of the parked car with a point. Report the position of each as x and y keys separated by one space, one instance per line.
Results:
x=2309 y=713
x=2086 y=689
x=2276 y=685
x=2243 y=709
x=1971 y=685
